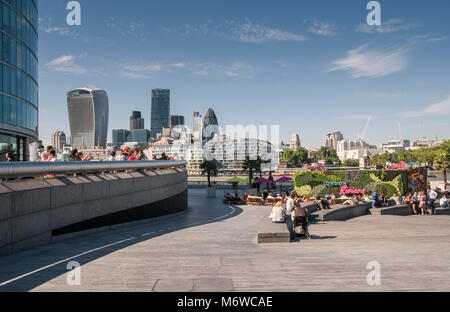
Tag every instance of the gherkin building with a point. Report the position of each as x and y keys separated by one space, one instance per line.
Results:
x=210 y=125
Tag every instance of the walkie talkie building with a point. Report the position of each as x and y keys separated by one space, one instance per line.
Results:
x=88 y=116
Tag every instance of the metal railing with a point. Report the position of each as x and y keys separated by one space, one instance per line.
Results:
x=33 y=169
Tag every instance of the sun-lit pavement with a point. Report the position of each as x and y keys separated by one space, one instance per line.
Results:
x=212 y=247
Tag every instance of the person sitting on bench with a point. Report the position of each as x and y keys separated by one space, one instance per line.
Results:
x=350 y=202
x=375 y=200
x=323 y=203
x=278 y=214
x=444 y=203
x=397 y=200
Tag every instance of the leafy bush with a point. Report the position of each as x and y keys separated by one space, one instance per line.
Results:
x=371 y=187
x=318 y=190
x=303 y=190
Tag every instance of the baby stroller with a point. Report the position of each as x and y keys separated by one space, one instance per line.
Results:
x=300 y=222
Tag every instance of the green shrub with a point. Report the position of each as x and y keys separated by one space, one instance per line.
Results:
x=318 y=190
x=303 y=190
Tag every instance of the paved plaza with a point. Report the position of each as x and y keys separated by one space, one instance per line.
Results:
x=212 y=247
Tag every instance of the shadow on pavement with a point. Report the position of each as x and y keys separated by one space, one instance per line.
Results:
x=27 y=270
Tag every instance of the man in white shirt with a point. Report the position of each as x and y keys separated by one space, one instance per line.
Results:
x=432 y=195
x=290 y=203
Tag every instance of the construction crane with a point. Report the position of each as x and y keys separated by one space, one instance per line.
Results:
x=363 y=135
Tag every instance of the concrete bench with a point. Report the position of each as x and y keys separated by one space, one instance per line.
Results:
x=269 y=232
x=442 y=211
x=342 y=212
x=400 y=210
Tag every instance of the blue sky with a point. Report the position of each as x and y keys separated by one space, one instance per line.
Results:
x=312 y=67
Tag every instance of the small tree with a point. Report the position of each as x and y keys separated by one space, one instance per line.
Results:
x=442 y=161
x=250 y=165
x=210 y=168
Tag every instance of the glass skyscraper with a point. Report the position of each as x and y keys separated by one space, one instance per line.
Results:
x=160 y=111
x=18 y=76
x=88 y=117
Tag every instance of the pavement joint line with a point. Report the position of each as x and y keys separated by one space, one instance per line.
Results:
x=65 y=260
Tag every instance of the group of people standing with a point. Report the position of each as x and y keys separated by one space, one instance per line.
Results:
x=49 y=155
x=127 y=155
x=420 y=200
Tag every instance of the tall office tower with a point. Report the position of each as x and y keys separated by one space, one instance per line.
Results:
x=176 y=121
x=88 y=116
x=210 y=125
x=197 y=127
x=332 y=139
x=58 y=140
x=18 y=77
x=136 y=122
x=295 y=141
x=160 y=111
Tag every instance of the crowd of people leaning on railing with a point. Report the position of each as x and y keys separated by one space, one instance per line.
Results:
x=127 y=154
x=419 y=201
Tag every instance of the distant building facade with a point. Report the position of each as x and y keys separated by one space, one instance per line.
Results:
x=141 y=136
x=58 y=141
x=88 y=116
x=332 y=139
x=295 y=142
x=136 y=121
x=160 y=111
x=119 y=137
x=176 y=121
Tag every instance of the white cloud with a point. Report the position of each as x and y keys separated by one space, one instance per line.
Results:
x=355 y=117
x=253 y=33
x=66 y=64
x=247 y=31
x=201 y=73
x=59 y=30
x=441 y=108
x=133 y=75
x=390 y=26
x=362 y=62
x=144 y=71
x=321 y=28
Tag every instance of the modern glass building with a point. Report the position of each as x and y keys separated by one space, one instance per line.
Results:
x=160 y=111
x=88 y=116
x=18 y=76
x=140 y=135
x=120 y=136
x=210 y=125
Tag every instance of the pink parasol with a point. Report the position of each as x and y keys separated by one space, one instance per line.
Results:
x=285 y=179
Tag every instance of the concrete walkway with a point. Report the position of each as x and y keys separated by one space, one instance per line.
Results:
x=212 y=247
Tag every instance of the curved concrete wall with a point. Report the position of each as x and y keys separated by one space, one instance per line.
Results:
x=38 y=212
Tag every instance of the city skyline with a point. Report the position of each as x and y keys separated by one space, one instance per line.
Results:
x=303 y=67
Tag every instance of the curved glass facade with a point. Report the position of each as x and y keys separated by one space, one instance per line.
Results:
x=18 y=72
x=88 y=117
